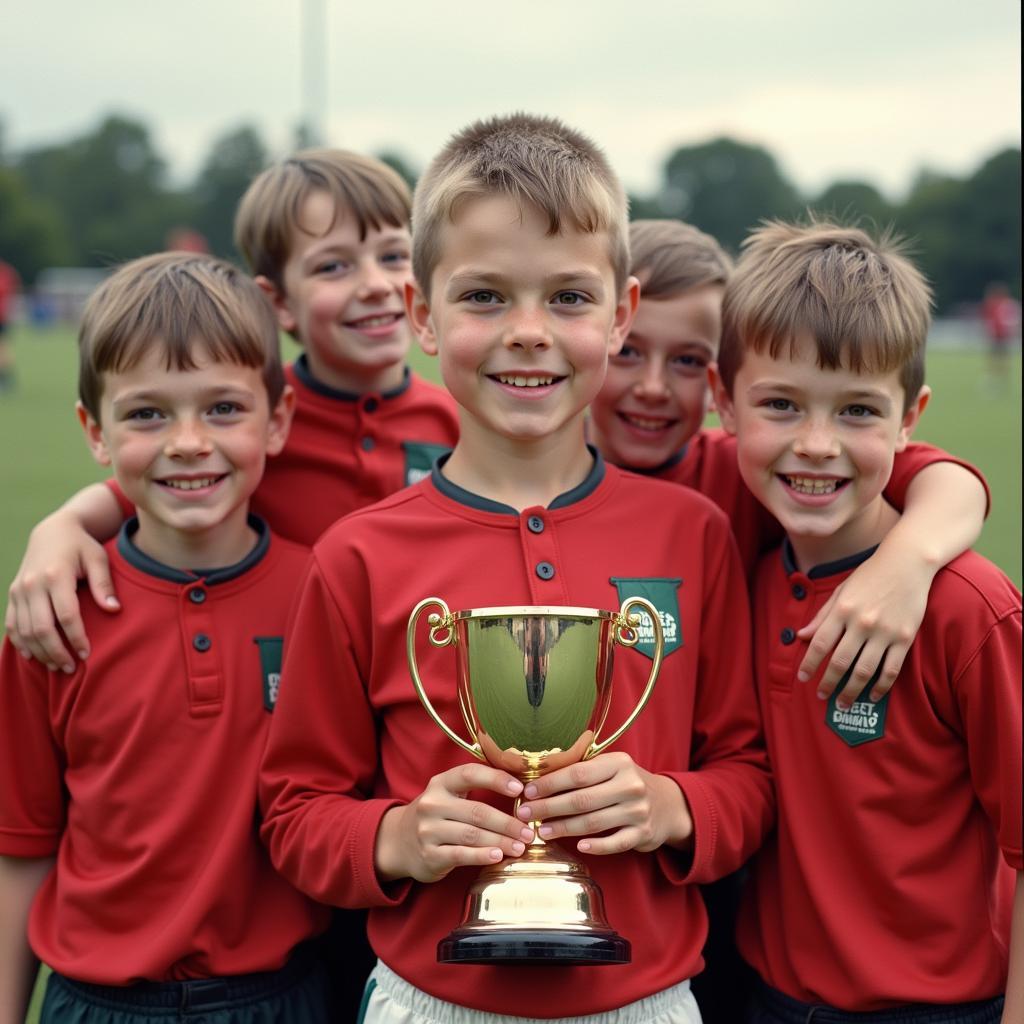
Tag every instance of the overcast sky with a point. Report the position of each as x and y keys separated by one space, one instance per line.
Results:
x=873 y=89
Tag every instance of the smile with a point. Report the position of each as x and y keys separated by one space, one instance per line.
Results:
x=814 y=485
x=517 y=381
x=646 y=422
x=380 y=320
x=195 y=484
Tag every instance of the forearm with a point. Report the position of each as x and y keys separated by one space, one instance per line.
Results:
x=1013 y=1010
x=19 y=880
x=94 y=509
x=944 y=514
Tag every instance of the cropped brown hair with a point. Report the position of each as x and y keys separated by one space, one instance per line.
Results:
x=178 y=303
x=861 y=299
x=536 y=161
x=671 y=258
x=361 y=187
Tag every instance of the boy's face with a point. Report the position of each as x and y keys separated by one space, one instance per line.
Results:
x=816 y=446
x=187 y=446
x=523 y=321
x=656 y=392
x=343 y=297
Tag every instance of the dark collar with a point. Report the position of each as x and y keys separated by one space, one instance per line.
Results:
x=827 y=568
x=464 y=497
x=141 y=561
x=672 y=460
x=305 y=376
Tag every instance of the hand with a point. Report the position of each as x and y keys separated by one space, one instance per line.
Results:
x=868 y=623
x=43 y=595
x=610 y=793
x=442 y=829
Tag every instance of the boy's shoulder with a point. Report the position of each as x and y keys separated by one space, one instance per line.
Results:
x=671 y=499
x=973 y=587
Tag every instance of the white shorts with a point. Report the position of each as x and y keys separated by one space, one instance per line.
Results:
x=392 y=1000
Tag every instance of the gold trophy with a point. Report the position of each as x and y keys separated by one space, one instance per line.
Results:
x=534 y=686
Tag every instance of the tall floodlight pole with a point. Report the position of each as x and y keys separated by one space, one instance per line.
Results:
x=314 y=71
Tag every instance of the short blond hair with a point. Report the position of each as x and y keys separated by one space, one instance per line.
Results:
x=176 y=302
x=268 y=214
x=863 y=301
x=536 y=161
x=671 y=258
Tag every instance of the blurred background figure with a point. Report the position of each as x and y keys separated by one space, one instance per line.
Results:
x=182 y=239
x=10 y=284
x=1000 y=318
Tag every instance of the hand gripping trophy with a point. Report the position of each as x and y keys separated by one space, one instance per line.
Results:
x=534 y=685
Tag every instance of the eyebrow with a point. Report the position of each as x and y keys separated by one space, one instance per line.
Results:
x=679 y=342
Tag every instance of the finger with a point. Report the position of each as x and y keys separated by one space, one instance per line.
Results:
x=458 y=834
x=96 y=567
x=45 y=641
x=625 y=839
x=466 y=777
x=473 y=817
x=448 y=857
x=806 y=632
x=891 y=667
x=68 y=613
x=842 y=661
x=869 y=660
x=824 y=640
x=575 y=776
x=613 y=816
x=27 y=634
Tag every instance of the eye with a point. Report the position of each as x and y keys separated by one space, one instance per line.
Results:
x=483 y=298
x=395 y=259
x=778 y=405
x=569 y=298
x=144 y=414
x=330 y=267
x=225 y=408
x=689 y=362
x=628 y=354
x=860 y=412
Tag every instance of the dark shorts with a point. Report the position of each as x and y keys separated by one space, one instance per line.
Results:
x=769 y=1006
x=296 y=994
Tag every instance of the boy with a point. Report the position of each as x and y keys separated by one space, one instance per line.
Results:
x=893 y=900
x=326 y=234
x=128 y=844
x=522 y=290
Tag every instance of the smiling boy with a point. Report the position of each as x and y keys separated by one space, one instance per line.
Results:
x=128 y=842
x=887 y=888
x=522 y=292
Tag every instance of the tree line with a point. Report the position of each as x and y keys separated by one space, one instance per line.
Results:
x=105 y=196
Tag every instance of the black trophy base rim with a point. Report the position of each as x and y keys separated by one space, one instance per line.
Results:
x=539 y=946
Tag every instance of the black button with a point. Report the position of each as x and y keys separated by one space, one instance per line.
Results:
x=545 y=570
x=370 y=405
x=535 y=524
x=788 y=636
x=201 y=642
x=197 y=595
x=799 y=591
x=367 y=444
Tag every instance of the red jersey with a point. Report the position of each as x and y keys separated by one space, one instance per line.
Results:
x=350 y=739
x=345 y=451
x=890 y=878
x=139 y=772
x=708 y=464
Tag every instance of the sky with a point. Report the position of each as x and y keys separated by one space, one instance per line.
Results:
x=873 y=91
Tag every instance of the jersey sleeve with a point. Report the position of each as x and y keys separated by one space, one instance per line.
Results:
x=316 y=779
x=989 y=695
x=729 y=788
x=32 y=808
x=127 y=507
x=917 y=456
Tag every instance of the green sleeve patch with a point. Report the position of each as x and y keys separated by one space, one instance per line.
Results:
x=661 y=592
x=271 y=654
x=419 y=459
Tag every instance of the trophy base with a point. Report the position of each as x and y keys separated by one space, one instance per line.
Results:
x=537 y=946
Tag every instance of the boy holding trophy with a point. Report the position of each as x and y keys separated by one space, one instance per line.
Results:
x=521 y=263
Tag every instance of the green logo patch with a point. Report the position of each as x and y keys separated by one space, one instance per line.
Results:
x=419 y=459
x=271 y=651
x=865 y=720
x=661 y=592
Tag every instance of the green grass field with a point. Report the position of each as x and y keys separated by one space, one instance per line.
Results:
x=45 y=459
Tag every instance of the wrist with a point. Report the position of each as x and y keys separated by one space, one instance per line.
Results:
x=387 y=855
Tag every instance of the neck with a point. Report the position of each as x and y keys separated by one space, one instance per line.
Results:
x=521 y=474
x=215 y=548
x=866 y=531
x=370 y=379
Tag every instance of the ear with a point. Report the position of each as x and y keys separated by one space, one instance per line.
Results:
x=625 y=310
x=722 y=399
x=280 y=421
x=93 y=435
x=912 y=416
x=417 y=311
x=278 y=299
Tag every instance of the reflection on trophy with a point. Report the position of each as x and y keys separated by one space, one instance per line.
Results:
x=534 y=686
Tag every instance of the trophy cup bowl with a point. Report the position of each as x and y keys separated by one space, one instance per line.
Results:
x=534 y=687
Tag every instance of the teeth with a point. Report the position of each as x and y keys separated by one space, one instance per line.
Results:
x=645 y=424
x=812 y=485
x=190 y=485
x=525 y=382
x=377 y=321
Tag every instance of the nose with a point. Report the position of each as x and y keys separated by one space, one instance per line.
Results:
x=652 y=385
x=817 y=439
x=188 y=438
x=374 y=282
x=527 y=330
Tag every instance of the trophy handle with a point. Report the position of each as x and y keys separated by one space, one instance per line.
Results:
x=627 y=636
x=445 y=626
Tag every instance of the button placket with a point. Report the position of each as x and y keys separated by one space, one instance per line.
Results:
x=202 y=655
x=541 y=559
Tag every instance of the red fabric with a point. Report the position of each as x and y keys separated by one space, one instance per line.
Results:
x=139 y=772
x=709 y=466
x=350 y=739
x=9 y=285
x=890 y=878
x=325 y=472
